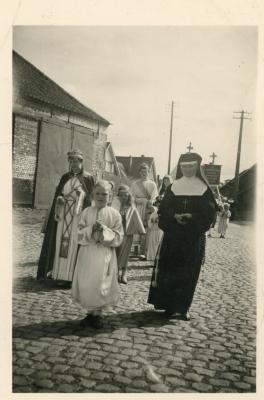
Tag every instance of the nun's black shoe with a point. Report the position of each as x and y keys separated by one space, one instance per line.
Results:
x=97 y=322
x=177 y=315
x=86 y=321
x=64 y=285
x=186 y=316
x=167 y=314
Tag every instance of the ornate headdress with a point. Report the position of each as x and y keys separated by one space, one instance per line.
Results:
x=75 y=153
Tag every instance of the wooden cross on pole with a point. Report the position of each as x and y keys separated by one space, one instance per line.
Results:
x=213 y=156
x=190 y=147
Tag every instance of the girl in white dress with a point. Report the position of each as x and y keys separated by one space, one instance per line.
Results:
x=132 y=224
x=144 y=192
x=95 y=285
x=154 y=235
x=223 y=223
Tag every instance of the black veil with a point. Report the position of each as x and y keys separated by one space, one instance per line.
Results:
x=190 y=157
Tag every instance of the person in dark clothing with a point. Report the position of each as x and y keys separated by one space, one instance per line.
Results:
x=59 y=248
x=185 y=214
x=166 y=182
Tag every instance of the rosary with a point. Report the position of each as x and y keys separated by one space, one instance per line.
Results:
x=185 y=202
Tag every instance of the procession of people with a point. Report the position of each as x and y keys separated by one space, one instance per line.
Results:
x=91 y=228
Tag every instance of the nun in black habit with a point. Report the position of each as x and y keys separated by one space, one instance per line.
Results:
x=185 y=214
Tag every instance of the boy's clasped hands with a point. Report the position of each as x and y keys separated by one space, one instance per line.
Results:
x=97 y=231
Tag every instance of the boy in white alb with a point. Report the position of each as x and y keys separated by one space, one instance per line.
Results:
x=100 y=230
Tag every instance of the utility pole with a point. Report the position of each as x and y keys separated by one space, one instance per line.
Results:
x=171 y=127
x=236 y=183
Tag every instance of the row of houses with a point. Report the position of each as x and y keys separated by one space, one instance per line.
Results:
x=47 y=123
x=246 y=198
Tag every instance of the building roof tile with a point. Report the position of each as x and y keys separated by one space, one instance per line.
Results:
x=31 y=83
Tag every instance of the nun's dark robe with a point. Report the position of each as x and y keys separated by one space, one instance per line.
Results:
x=182 y=250
x=49 y=243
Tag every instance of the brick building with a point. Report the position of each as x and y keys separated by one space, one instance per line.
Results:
x=246 y=200
x=47 y=123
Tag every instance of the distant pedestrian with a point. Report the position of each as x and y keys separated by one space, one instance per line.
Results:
x=154 y=234
x=166 y=182
x=59 y=248
x=185 y=214
x=223 y=222
x=100 y=231
x=132 y=224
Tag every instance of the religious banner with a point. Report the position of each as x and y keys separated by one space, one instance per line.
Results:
x=212 y=173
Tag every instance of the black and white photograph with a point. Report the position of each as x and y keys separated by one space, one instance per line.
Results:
x=134 y=208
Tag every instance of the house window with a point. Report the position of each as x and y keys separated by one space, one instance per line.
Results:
x=109 y=167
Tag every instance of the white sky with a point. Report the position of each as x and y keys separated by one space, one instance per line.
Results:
x=130 y=75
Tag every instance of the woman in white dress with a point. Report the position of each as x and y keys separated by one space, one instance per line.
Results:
x=95 y=285
x=154 y=234
x=144 y=192
x=132 y=224
x=223 y=223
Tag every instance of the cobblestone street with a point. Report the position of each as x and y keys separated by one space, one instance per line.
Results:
x=138 y=350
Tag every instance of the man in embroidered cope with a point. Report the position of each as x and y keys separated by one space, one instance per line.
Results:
x=59 y=248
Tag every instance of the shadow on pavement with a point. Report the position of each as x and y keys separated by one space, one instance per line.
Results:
x=71 y=327
x=141 y=278
x=27 y=264
x=29 y=283
x=141 y=268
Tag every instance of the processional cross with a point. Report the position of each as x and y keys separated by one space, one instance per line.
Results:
x=190 y=147
x=213 y=156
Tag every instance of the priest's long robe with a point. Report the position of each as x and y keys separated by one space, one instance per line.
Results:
x=50 y=257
